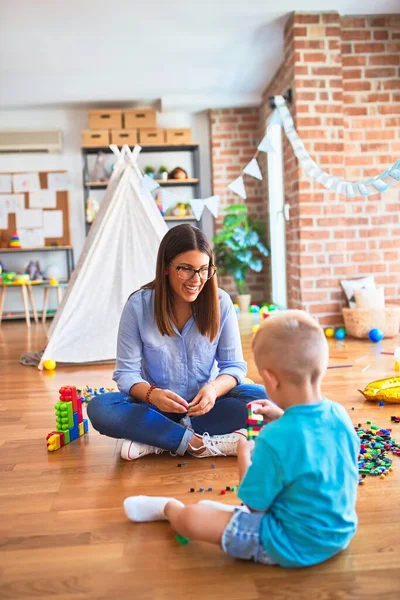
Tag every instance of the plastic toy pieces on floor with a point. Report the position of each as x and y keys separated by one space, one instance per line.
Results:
x=376 y=443
x=88 y=393
x=254 y=423
x=70 y=423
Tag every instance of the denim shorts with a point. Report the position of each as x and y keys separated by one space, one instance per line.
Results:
x=241 y=538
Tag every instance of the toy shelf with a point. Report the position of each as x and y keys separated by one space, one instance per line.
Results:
x=164 y=182
x=193 y=182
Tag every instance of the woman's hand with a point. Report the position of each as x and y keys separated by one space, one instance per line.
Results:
x=168 y=401
x=203 y=402
x=267 y=409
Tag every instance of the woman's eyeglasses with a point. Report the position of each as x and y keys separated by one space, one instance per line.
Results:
x=187 y=273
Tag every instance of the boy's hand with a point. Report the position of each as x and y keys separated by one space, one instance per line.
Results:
x=267 y=409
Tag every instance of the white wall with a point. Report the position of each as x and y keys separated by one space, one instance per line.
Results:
x=72 y=122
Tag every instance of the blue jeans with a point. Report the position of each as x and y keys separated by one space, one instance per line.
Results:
x=241 y=538
x=121 y=416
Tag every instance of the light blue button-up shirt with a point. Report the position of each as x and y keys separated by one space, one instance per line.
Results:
x=182 y=363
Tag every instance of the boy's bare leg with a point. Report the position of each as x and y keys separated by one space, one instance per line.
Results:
x=197 y=522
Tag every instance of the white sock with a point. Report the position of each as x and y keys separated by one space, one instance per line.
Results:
x=221 y=506
x=146 y=508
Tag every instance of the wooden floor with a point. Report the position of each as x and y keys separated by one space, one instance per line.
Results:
x=64 y=536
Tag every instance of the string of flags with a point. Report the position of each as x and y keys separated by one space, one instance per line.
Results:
x=374 y=185
x=282 y=116
x=169 y=200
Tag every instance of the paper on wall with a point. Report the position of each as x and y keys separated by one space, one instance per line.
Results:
x=5 y=183
x=53 y=223
x=10 y=203
x=29 y=219
x=3 y=220
x=43 y=199
x=58 y=181
x=26 y=182
x=31 y=238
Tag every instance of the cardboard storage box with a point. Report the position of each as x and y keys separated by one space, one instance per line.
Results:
x=95 y=139
x=178 y=136
x=140 y=119
x=105 y=119
x=124 y=136
x=151 y=136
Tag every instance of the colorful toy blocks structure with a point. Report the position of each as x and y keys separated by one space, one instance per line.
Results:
x=70 y=423
x=254 y=423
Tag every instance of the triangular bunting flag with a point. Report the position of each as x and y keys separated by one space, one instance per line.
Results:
x=149 y=184
x=212 y=204
x=197 y=207
x=275 y=119
x=265 y=145
x=253 y=169
x=168 y=200
x=237 y=186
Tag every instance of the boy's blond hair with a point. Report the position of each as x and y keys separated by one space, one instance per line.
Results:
x=293 y=344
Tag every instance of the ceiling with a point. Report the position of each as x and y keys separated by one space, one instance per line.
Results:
x=186 y=55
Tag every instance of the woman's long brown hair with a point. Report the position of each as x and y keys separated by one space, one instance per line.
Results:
x=205 y=308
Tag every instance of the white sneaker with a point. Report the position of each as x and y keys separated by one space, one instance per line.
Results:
x=219 y=445
x=133 y=450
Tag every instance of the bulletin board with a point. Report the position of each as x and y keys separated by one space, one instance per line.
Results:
x=62 y=205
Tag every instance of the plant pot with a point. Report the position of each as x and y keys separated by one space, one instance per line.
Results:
x=243 y=301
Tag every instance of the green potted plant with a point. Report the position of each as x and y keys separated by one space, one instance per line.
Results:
x=238 y=247
x=149 y=170
x=163 y=173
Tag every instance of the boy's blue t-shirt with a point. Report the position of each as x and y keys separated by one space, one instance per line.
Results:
x=304 y=472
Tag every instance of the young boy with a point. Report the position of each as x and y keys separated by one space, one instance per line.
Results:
x=299 y=480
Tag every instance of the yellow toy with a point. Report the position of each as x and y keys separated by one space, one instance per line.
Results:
x=387 y=390
x=330 y=332
x=49 y=364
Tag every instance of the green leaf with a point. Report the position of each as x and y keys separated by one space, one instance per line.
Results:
x=236 y=209
x=232 y=221
x=244 y=256
x=255 y=264
x=251 y=238
x=262 y=249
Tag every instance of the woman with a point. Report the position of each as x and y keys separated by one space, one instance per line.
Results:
x=180 y=367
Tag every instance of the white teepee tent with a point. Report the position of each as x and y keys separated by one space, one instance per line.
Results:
x=118 y=257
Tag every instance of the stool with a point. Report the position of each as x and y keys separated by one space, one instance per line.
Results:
x=26 y=292
x=47 y=289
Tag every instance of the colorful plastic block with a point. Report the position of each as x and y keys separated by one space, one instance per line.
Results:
x=254 y=423
x=53 y=442
x=76 y=419
x=64 y=415
x=73 y=433
x=69 y=421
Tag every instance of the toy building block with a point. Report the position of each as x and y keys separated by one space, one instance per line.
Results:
x=254 y=423
x=64 y=415
x=69 y=419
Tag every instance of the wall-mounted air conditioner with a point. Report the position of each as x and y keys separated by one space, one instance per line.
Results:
x=41 y=140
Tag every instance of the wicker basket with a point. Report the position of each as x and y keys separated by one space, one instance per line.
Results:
x=359 y=321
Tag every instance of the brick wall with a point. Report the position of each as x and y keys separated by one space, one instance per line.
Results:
x=345 y=76
x=234 y=138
